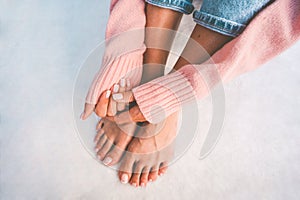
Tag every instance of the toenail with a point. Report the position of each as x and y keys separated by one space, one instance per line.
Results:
x=124 y=178
x=134 y=184
x=107 y=160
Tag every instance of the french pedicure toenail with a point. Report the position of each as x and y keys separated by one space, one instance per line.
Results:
x=118 y=96
x=124 y=179
x=107 y=160
x=134 y=184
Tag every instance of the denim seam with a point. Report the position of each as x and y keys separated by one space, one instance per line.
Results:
x=225 y=26
x=186 y=9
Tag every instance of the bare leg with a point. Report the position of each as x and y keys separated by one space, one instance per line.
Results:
x=209 y=40
x=154 y=159
x=157 y=20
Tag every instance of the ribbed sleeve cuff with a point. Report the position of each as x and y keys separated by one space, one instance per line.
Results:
x=127 y=66
x=163 y=96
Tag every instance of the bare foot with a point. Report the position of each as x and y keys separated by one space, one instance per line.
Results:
x=148 y=157
x=111 y=140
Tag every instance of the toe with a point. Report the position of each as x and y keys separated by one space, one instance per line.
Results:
x=98 y=136
x=135 y=179
x=144 y=177
x=115 y=155
x=100 y=124
x=125 y=171
x=153 y=174
x=103 y=151
x=163 y=168
x=101 y=142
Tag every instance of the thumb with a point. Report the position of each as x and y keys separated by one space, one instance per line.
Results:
x=88 y=110
x=133 y=115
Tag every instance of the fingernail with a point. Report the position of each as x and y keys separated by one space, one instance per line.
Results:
x=122 y=82
x=118 y=96
x=108 y=92
x=107 y=160
x=116 y=88
x=128 y=82
x=96 y=149
x=82 y=115
x=124 y=178
x=150 y=180
x=143 y=185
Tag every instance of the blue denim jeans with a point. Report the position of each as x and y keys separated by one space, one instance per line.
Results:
x=228 y=17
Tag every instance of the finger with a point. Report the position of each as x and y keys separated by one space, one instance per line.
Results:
x=124 y=97
x=88 y=110
x=101 y=107
x=112 y=106
x=121 y=105
x=134 y=115
x=128 y=85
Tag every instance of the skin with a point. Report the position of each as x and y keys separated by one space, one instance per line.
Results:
x=137 y=169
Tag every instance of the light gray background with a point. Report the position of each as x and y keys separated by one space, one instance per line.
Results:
x=43 y=43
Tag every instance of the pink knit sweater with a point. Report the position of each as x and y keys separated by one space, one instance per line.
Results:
x=272 y=31
x=124 y=47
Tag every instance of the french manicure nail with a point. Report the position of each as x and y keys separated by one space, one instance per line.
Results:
x=107 y=160
x=128 y=82
x=124 y=178
x=116 y=88
x=108 y=92
x=118 y=96
x=122 y=82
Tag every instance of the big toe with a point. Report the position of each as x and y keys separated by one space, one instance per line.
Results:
x=114 y=155
x=125 y=171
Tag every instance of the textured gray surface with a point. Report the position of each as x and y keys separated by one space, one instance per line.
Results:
x=43 y=43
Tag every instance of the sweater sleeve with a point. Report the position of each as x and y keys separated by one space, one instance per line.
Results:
x=266 y=36
x=124 y=47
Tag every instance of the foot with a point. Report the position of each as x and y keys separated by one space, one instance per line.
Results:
x=148 y=157
x=111 y=140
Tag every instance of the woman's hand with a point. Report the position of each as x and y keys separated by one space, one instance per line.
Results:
x=114 y=104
